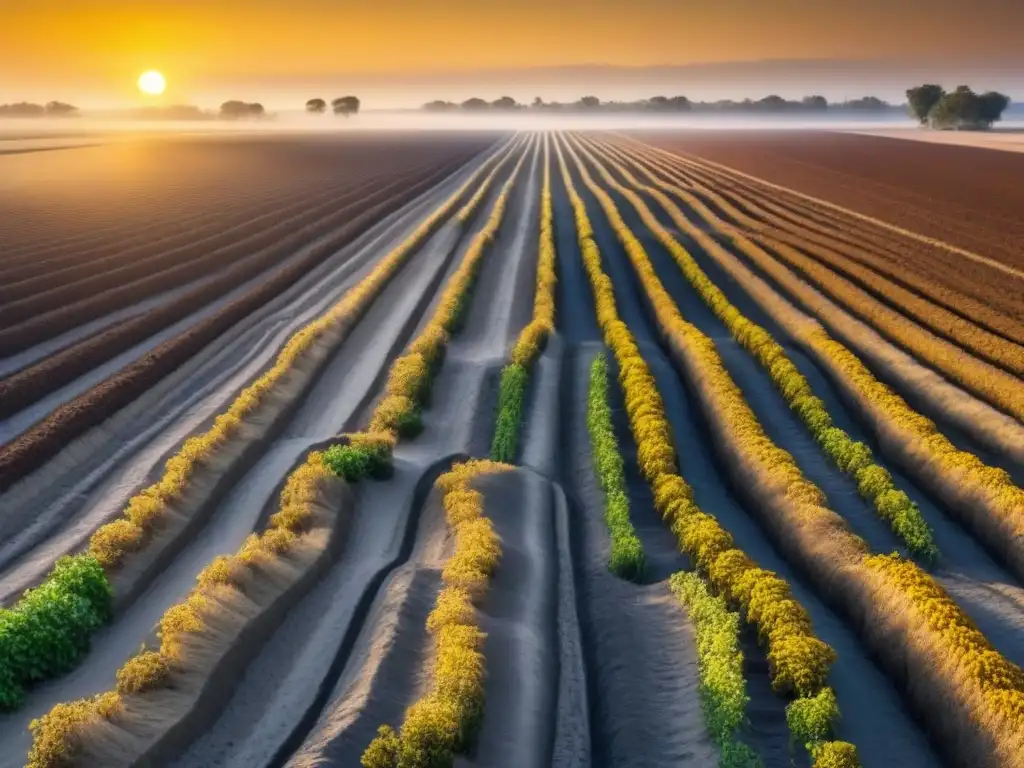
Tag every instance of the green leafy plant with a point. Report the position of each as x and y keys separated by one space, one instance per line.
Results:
x=627 y=553
x=511 y=394
x=49 y=628
x=723 y=691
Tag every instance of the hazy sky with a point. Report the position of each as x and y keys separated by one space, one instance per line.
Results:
x=94 y=49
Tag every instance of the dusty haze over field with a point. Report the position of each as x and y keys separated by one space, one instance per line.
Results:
x=400 y=53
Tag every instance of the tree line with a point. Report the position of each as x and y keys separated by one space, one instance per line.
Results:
x=961 y=109
x=769 y=104
x=26 y=109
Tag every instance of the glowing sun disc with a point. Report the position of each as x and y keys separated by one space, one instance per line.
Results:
x=152 y=82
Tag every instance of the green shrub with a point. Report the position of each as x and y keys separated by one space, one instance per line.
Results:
x=511 y=394
x=873 y=481
x=812 y=722
x=410 y=423
x=49 y=628
x=355 y=462
x=627 y=554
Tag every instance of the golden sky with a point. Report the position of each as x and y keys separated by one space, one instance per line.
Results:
x=99 y=46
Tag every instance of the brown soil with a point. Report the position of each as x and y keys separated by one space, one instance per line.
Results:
x=966 y=196
x=24 y=454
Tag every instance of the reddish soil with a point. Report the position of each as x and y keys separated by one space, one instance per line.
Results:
x=966 y=196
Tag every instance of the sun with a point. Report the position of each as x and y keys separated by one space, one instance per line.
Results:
x=152 y=82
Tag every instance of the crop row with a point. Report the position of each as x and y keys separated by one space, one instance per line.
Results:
x=626 y=558
x=28 y=641
x=859 y=242
x=531 y=340
x=979 y=711
x=26 y=453
x=445 y=720
x=723 y=691
x=398 y=413
x=195 y=634
x=854 y=458
x=799 y=662
x=986 y=497
x=830 y=254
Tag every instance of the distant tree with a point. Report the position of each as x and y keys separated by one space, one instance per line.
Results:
x=658 y=103
x=772 y=103
x=316 y=106
x=60 y=109
x=238 y=110
x=590 y=102
x=680 y=104
x=538 y=102
x=816 y=103
x=922 y=100
x=963 y=109
x=346 y=105
x=440 y=106
x=867 y=104
x=505 y=102
x=475 y=104
x=22 y=109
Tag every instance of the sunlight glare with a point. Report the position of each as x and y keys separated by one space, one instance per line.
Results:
x=152 y=83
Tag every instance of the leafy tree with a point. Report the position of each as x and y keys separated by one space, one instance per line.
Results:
x=993 y=104
x=316 y=106
x=680 y=104
x=538 y=102
x=959 y=109
x=505 y=102
x=923 y=99
x=817 y=103
x=590 y=102
x=474 y=104
x=346 y=105
x=440 y=105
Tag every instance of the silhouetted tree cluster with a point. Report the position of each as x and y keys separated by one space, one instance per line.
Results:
x=240 y=110
x=25 y=109
x=345 y=105
x=962 y=109
x=769 y=104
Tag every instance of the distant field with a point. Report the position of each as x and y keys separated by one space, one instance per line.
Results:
x=1006 y=140
x=537 y=449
